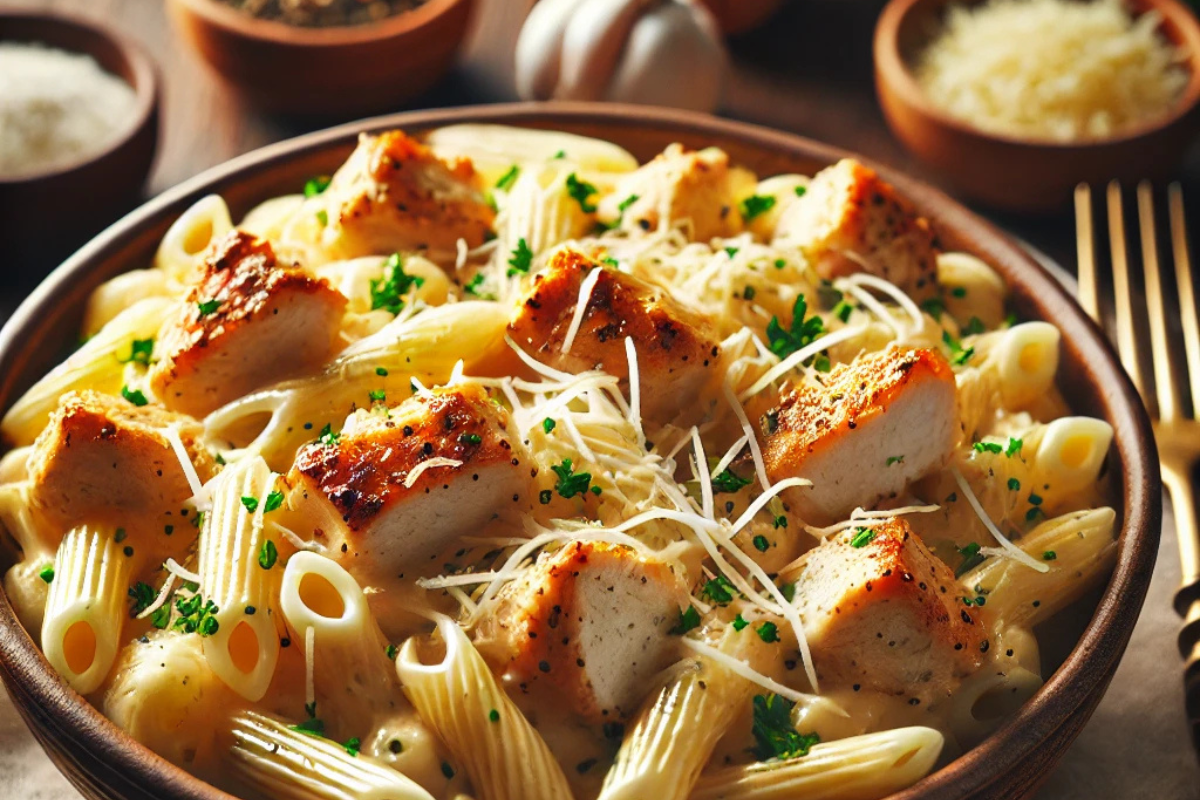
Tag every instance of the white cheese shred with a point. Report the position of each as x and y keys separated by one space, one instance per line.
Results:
x=744 y=670
x=1013 y=552
x=635 y=387
x=585 y=297
x=161 y=600
x=800 y=356
x=419 y=469
x=199 y=494
x=310 y=641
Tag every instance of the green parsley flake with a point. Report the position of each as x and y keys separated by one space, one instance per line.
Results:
x=801 y=332
x=895 y=460
x=522 y=259
x=801 y=191
x=624 y=205
x=768 y=632
x=548 y=424
x=689 y=619
x=135 y=396
x=143 y=596
x=570 y=483
x=381 y=372
x=471 y=438
x=580 y=192
x=1034 y=513
x=120 y=535
x=843 y=310
x=494 y=715
x=988 y=447
x=251 y=504
x=971 y=559
x=196 y=616
x=959 y=291
x=862 y=537
x=509 y=178
x=1014 y=447
x=788 y=590
x=731 y=251
x=140 y=352
x=323 y=217
x=268 y=554
x=207 y=307
x=726 y=482
x=545 y=496
x=377 y=395
x=958 y=354
x=47 y=573
x=310 y=727
x=749 y=292
x=781 y=521
x=1035 y=499
x=475 y=287
x=316 y=185
x=774 y=733
x=389 y=291
x=780 y=263
x=1049 y=555
x=274 y=501
x=755 y=206
x=974 y=326
x=1014 y=485
x=352 y=746
x=328 y=437
x=391 y=651
x=447 y=770
x=934 y=307
x=739 y=623
x=761 y=544
x=719 y=590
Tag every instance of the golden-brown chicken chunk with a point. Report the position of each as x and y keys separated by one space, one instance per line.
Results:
x=676 y=347
x=103 y=458
x=394 y=194
x=248 y=323
x=407 y=483
x=849 y=220
x=699 y=187
x=593 y=621
x=878 y=423
x=883 y=613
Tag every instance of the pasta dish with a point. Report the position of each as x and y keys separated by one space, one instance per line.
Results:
x=496 y=465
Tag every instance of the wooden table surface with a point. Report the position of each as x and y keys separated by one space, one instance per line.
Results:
x=810 y=72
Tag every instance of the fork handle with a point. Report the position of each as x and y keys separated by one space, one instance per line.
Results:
x=1189 y=645
x=1187 y=599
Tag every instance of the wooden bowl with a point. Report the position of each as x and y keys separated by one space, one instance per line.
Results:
x=41 y=211
x=105 y=763
x=325 y=72
x=1024 y=174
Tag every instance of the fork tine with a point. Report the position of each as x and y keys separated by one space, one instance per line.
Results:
x=1187 y=292
x=1165 y=388
x=1085 y=245
x=1126 y=341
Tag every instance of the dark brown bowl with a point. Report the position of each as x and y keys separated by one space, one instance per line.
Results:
x=1014 y=173
x=105 y=763
x=41 y=210
x=325 y=72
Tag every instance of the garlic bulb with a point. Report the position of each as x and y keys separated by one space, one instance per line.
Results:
x=653 y=52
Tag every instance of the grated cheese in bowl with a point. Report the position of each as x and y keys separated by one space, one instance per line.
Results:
x=1052 y=69
x=56 y=108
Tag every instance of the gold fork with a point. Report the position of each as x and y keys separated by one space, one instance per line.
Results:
x=1176 y=433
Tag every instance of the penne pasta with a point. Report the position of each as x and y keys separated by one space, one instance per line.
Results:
x=282 y=761
x=866 y=767
x=86 y=604
x=239 y=580
x=203 y=223
x=461 y=701
x=971 y=288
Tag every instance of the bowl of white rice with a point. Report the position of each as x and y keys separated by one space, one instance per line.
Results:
x=78 y=130
x=1014 y=102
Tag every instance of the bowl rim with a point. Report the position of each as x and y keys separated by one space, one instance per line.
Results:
x=145 y=85
x=1071 y=690
x=234 y=22
x=892 y=67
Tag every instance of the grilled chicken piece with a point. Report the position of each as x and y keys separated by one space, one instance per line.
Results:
x=592 y=620
x=103 y=458
x=248 y=323
x=394 y=194
x=676 y=346
x=887 y=615
x=849 y=220
x=878 y=423
x=685 y=185
x=437 y=466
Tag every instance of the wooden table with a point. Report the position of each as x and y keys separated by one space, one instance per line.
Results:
x=810 y=72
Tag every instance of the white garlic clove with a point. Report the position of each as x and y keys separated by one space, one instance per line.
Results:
x=539 y=48
x=593 y=45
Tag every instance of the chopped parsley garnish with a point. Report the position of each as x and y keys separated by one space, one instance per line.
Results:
x=895 y=460
x=768 y=632
x=352 y=745
x=143 y=596
x=196 y=616
x=140 y=352
x=310 y=727
x=1014 y=447
x=475 y=287
x=1035 y=499
x=801 y=191
x=493 y=715
x=774 y=733
x=46 y=573
x=381 y=372
x=120 y=535
x=391 y=651
x=323 y=217
x=971 y=559
x=522 y=259
x=274 y=501
x=788 y=590
x=447 y=770
x=761 y=544
x=973 y=326
x=580 y=191
x=624 y=205
x=268 y=554
x=1049 y=555
x=802 y=331
x=755 y=205
x=545 y=496
x=1014 y=485
x=862 y=537
x=1033 y=514
x=135 y=396
x=388 y=292
x=842 y=310
x=328 y=437
x=719 y=590
x=207 y=307
x=958 y=354
x=934 y=307
x=377 y=395
x=509 y=178
x=781 y=521
x=739 y=623
x=988 y=447
x=749 y=292
x=959 y=291
x=471 y=438
x=731 y=252
x=198 y=520
x=548 y=424
x=689 y=619
x=726 y=482
x=251 y=504
x=317 y=185
x=780 y=263
x=559 y=156
x=570 y=483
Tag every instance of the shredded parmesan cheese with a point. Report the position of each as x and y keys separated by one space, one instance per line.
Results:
x=1013 y=552
x=585 y=296
x=200 y=496
x=419 y=469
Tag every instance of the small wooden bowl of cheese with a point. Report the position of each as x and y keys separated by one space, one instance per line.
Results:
x=1014 y=104
x=79 y=128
